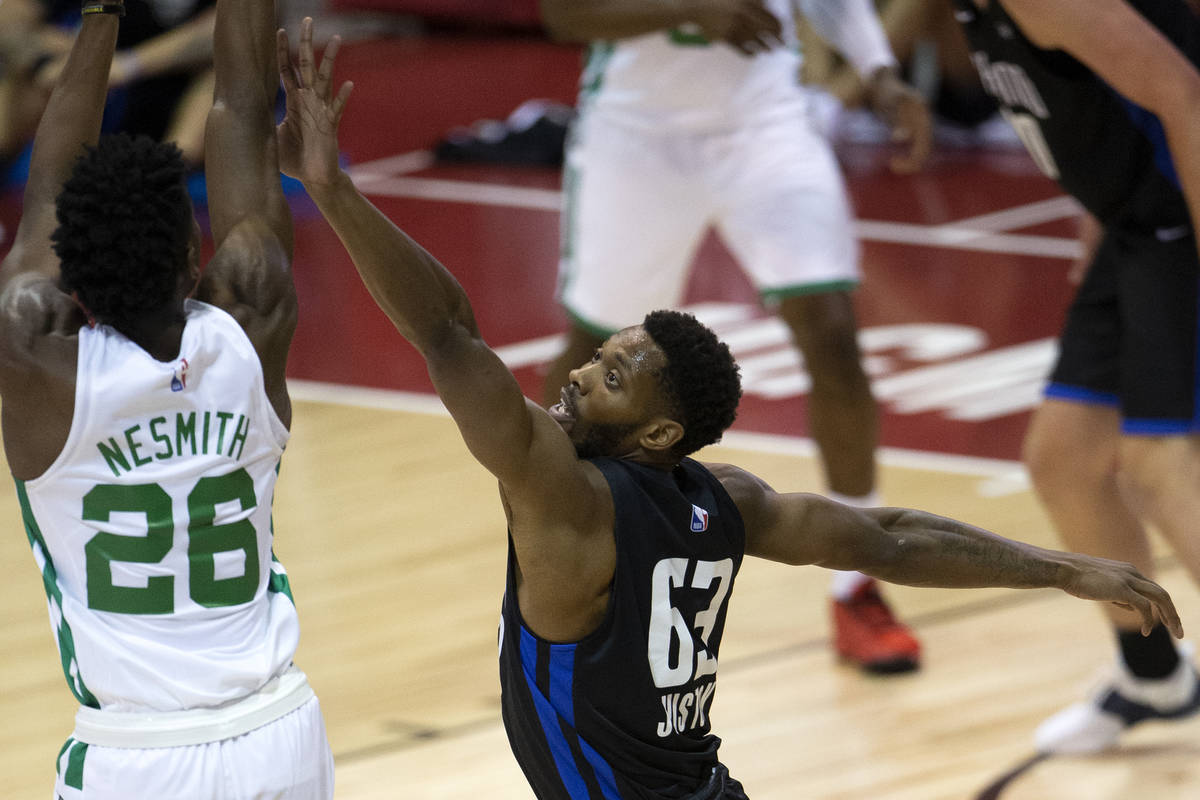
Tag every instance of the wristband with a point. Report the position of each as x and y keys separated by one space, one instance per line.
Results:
x=103 y=7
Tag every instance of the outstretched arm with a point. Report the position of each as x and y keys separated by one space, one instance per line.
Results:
x=1133 y=57
x=916 y=548
x=70 y=121
x=250 y=273
x=512 y=437
x=746 y=25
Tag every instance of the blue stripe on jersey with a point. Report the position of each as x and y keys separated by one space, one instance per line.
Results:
x=562 y=680
x=1152 y=129
x=568 y=771
x=1079 y=394
x=604 y=773
x=561 y=703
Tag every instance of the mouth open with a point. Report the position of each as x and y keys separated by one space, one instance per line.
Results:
x=563 y=411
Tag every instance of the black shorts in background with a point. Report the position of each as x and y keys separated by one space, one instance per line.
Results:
x=1130 y=340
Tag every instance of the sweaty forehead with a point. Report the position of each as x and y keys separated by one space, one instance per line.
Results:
x=638 y=349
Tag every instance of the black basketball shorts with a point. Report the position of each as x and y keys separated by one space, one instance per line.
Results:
x=1131 y=336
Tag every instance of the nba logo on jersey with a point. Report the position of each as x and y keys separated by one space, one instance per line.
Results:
x=699 y=519
x=179 y=377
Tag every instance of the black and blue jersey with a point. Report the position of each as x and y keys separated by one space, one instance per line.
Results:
x=1105 y=150
x=623 y=713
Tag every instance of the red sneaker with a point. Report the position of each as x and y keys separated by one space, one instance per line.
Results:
x=866 y=634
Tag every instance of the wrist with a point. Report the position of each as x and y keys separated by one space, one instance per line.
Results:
x=326 y=188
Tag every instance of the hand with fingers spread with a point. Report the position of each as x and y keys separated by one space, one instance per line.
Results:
x=308 y=135
x=1116 y=582
x=907 y=115
x=746 y=25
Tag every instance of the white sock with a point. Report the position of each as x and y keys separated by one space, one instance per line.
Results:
x=846 y=582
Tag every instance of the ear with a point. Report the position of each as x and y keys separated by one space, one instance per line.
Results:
x=660 y=434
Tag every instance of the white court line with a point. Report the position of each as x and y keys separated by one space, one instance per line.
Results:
x=1002 y=476
x=384 y=178
x=391 y=166
x=1023 y=216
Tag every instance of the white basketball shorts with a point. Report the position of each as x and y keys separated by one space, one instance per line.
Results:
x=638 y=202
x=288 y=759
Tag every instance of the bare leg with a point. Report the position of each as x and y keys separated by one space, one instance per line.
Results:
x=1080 y=464
x=1072 y=451
x=1163 y=475
x=843 y=421
x=842 y=416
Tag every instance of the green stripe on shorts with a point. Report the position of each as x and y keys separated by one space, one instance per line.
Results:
x=784 y=292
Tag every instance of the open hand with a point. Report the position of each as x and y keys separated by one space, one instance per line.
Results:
x=1120 y=583
x=308 y=135
x=746 y=25
x=907 y=115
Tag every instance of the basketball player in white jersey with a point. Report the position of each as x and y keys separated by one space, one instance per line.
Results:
x=691 y=114
x=144 y=430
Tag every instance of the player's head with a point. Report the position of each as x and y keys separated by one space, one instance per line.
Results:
x=667 y=387
x=127 y=238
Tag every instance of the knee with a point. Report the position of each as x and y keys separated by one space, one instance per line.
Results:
x=1060 y=460
x=1156 y=468
x=824 y=329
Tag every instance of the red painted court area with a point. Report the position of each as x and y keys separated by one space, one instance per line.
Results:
x=965 y=265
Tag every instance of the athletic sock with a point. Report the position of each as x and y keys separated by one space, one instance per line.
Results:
x=1151 y=657
x=846 y=582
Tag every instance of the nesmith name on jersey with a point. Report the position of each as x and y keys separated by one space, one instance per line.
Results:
x=163 y=438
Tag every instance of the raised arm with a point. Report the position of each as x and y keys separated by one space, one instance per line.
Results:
x=71 y=121
x=512 y=437
x=250 y=273
x=1133 y=57
x=744 y=24
x=916 y=548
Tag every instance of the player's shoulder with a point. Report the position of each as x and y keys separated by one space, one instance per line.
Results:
x=746 y=489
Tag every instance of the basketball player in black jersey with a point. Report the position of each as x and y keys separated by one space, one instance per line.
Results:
x=622 y=550
x=1105 y=94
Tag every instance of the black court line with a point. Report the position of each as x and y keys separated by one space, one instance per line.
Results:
x=992 y=791
x=412 y=734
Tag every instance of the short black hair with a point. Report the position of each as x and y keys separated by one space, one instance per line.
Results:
x=701 y=381
x=124 y=226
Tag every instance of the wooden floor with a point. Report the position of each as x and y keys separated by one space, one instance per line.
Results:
x=394 y=540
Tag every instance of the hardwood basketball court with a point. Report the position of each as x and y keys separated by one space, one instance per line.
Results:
x=394 y=538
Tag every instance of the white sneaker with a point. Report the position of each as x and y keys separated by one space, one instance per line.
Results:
x=1122 y=701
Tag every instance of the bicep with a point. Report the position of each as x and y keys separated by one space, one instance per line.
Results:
x=799 y=528
x=1113 y=40
x=510 y=435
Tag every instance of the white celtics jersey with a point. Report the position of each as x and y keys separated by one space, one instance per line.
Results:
x=153 y=527
x=678 y=79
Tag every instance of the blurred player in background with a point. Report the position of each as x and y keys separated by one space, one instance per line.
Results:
x=1104 y=94
x=691 y=115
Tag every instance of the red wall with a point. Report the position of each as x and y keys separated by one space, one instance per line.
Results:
x=521 y=13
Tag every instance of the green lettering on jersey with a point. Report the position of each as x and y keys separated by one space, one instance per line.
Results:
x=161 y=438
x=239 y=437
x=133 y=447
x=185 y=430
x=114 y=456
x=224 y=416
x=688 y=38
